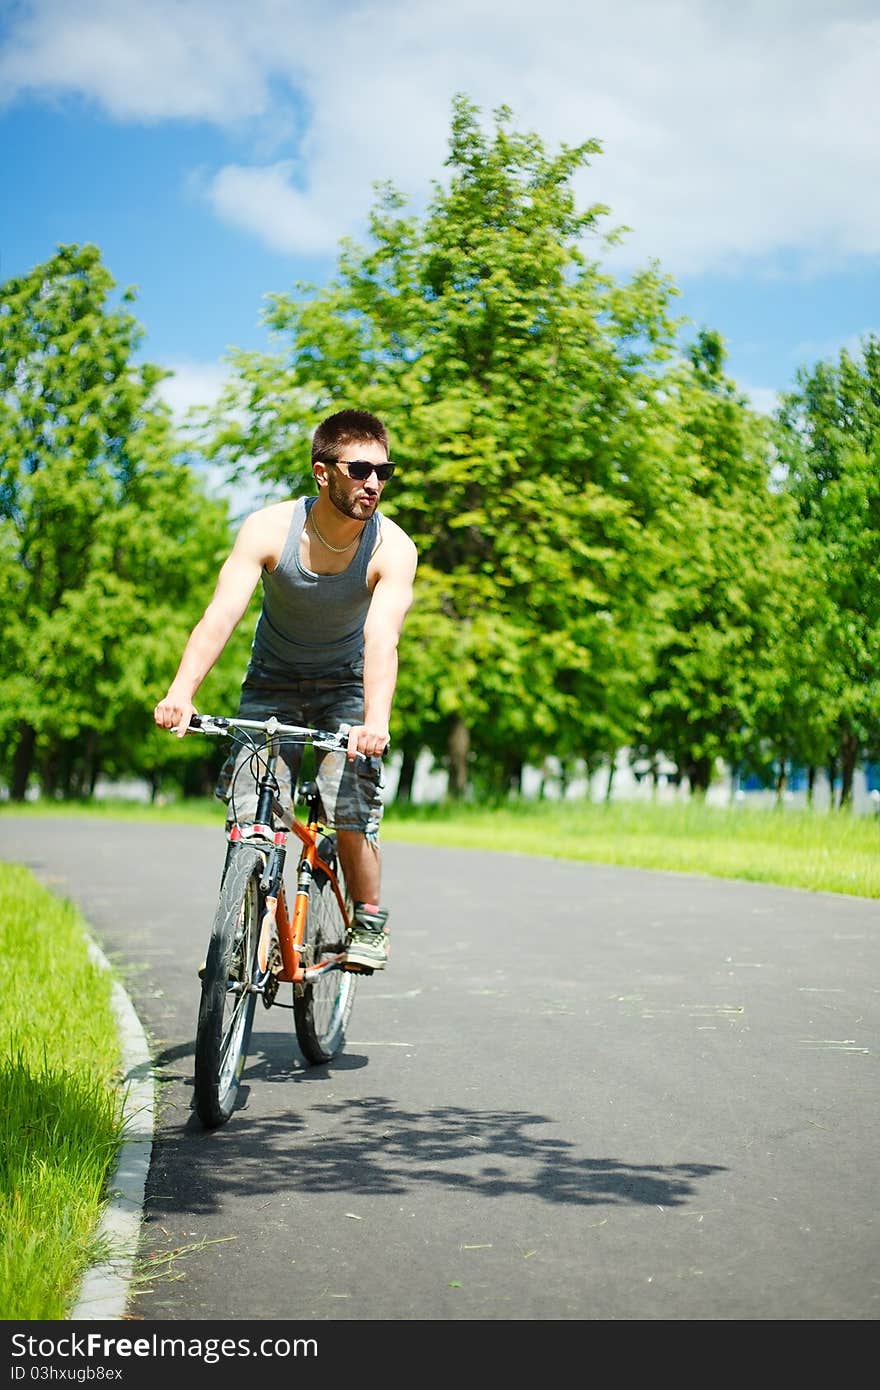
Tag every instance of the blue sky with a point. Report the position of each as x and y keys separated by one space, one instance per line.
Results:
x=216 y=151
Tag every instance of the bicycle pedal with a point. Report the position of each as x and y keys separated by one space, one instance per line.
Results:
x=355 y=969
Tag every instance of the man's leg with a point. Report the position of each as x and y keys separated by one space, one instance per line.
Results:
x=351 y=796
x=361 y=864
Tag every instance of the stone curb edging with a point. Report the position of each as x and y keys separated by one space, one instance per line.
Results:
x=104 y=1290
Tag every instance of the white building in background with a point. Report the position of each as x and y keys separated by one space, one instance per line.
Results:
x=430 y=784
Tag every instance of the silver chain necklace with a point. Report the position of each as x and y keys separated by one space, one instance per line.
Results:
x=336 y=549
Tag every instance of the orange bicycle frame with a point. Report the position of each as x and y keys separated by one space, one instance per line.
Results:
x=290 y=929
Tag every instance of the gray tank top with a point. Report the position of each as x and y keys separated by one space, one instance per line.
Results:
x=313 y=622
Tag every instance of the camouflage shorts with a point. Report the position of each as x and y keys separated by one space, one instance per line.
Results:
x=350 y=792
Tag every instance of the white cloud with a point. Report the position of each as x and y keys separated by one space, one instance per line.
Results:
x=165 y=59
x=192 y=384
x=731 y=133
x=762 y=398
x=262 y=200
x=195 y=384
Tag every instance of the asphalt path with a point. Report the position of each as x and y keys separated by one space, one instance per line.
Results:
x=577 y=1093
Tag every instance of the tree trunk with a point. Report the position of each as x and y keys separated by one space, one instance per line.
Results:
x=459 y=746
x=513 y=775
x=849 y=756
x=699 y=775
x=23 y=761
x=831 y=773
x=90 y=767
x=407 y=776
x=50 y=772
x=612 y=767
x=655 y=779
x=811 y=784
x=781 y=780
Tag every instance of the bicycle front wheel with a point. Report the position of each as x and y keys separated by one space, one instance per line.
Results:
x=322 y=1007
x=226 y=1010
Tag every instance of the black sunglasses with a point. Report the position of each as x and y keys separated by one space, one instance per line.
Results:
x=360 y=470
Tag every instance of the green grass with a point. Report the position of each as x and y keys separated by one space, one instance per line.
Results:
x=833 y=852
x=61 y=1111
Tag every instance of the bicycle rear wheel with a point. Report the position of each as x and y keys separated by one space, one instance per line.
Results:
x=226 y=1010
x=322 y=1007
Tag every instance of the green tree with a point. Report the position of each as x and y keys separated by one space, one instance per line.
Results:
x=107 y=543
x=829 y=447
x=515 y=376
x=728 y=570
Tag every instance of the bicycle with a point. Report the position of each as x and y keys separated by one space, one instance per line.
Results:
x=257 y=941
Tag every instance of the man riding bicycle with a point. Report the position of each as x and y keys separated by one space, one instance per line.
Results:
x=337 y=581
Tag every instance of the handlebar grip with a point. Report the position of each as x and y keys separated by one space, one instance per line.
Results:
x=342 y=734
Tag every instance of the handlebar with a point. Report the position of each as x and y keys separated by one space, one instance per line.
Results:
x=218 y=725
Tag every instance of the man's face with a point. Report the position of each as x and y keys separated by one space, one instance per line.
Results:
x=357 y=500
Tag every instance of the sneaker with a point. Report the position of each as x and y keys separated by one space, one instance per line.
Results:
x=368 y=944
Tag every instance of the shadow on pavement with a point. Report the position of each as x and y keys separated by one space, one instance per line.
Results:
x=371 y=1146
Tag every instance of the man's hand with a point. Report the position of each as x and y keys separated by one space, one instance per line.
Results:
x=174 y=712
x=366 y=739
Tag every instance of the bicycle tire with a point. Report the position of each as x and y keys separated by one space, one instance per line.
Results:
x=322 y=1007
x=226 y=1016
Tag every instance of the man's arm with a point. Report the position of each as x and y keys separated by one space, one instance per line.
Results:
x=235 y=585
x=389 y=605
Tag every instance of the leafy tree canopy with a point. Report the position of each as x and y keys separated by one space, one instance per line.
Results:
x=107 y=544
x=515 y=376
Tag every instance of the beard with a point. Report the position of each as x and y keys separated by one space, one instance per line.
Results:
x=344 y=502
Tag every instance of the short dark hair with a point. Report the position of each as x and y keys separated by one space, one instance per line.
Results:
x=346 y=427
